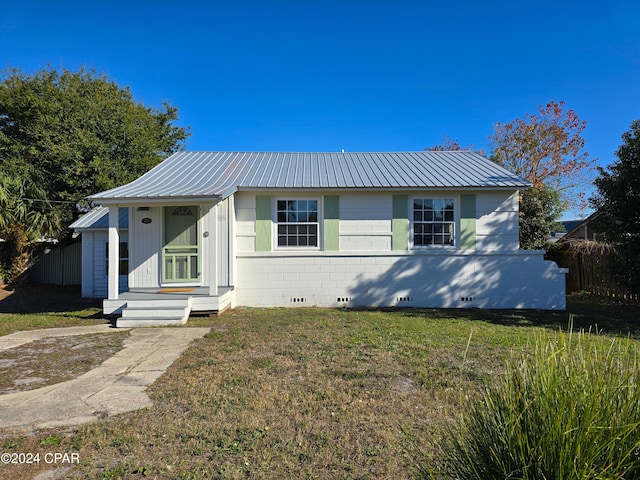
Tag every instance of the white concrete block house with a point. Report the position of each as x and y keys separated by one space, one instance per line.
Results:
x=204 y=231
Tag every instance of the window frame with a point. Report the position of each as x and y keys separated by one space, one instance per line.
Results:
x=455 y=222
x=277 y=223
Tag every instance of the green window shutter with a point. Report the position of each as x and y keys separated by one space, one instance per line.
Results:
x=332 y=222
x=468 y=222
x=263 y=223
x=400 y=223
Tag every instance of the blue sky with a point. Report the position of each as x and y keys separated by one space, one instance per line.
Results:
x=359 y=75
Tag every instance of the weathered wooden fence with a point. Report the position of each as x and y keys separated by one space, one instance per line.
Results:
x=58 y=266
x=590 y=266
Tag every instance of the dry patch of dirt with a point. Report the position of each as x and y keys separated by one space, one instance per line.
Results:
x=55 y=359
x=4 y=291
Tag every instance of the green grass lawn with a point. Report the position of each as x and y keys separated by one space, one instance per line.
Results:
x=306 y=393
x=28 y=307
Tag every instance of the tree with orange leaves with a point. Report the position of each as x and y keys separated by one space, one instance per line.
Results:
x=547 y=149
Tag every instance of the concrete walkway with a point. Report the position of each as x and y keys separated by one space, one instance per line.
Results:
x=116 y=386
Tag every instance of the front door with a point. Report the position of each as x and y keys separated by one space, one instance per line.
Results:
x=180 y=254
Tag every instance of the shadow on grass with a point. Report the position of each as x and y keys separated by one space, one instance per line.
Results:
x=34 y=298
x=588 y=313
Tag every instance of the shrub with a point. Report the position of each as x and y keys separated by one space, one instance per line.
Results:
x=570 y=409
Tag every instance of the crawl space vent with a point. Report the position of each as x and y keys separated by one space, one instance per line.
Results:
x=404 y=299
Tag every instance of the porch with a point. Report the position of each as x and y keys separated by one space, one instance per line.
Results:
x=152 y=307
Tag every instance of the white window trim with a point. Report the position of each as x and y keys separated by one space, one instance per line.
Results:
x=456 y=222
x=274 y=232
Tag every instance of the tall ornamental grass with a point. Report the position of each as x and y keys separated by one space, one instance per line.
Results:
x=570 y=409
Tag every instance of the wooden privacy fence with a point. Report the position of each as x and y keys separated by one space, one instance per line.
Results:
x=58 y=266
x=590 y=266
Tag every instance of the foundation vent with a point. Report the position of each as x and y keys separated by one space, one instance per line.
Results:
x=343 y=299
x=466 y=299
x=298 y=300
x=404 y=299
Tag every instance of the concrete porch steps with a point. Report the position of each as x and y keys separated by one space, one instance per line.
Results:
x=155 y=313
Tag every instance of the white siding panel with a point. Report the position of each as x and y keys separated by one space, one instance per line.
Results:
x=497 y=202
x=245 y=201
x=497 y=221
x=508 y=242
x=246 y=228
x=363 y=227
x=365 y=207
x=365 y=222
x=245 y=212
x=246 y=244
x=365 y=243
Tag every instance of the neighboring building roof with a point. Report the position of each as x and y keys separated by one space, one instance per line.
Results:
x=98 y=219
x=571 y=224
x=220 y=174
x=567 y=226
x=582 y=230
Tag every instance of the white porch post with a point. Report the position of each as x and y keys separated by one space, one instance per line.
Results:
x=231 y=218
x=114 y=252
x=213 y=250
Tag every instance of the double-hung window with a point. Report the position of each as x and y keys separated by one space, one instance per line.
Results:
x=433 y=221
x=297 y=224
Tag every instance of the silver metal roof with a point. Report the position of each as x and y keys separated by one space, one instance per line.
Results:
x=98 y=219
x=220 y=174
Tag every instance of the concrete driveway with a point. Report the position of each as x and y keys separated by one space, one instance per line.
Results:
x=116 y=386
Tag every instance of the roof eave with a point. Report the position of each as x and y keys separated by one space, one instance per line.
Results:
x=96 y=229
x=137 y=201
x=385 y=188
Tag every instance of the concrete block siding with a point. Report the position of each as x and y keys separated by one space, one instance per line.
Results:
x=461 y=280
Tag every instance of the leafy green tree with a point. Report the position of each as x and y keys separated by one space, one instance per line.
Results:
x=24 y=219
x=618 y=204
x=75 y=133
x=540 y=208
x=547 y=149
